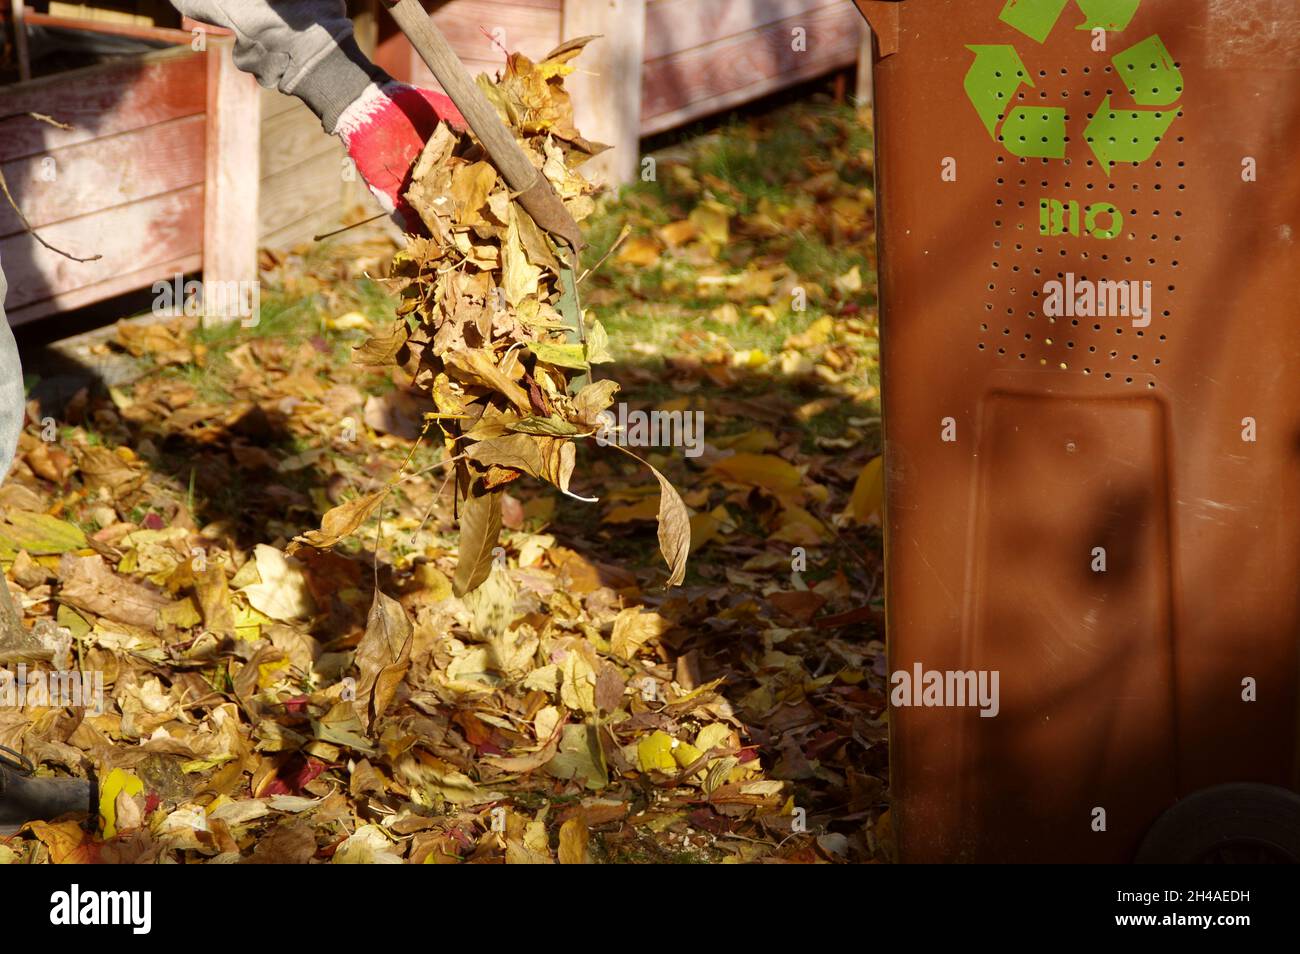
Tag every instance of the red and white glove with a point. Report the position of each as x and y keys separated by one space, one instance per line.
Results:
x=384 y=132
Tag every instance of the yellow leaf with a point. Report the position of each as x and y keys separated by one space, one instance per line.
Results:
x=633 y=627
x=868 y=492
x=712 y=219
x=61 y=838
x=470 y=186
x=760 y=470
x=642 y=510
x=639 y=250
x=39 y=534
x=519 y=276
x=573 y=842
x=117 y=781
x=654 y=753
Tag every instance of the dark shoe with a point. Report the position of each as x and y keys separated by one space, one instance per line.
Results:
x=24 y=798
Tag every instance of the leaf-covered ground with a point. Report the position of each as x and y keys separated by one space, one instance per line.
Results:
x=262 y=708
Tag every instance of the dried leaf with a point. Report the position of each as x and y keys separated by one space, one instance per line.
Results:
x=89 y=584
x=383 y=657
x=573 y=842
x=633 y=628
x=480 y=527
x=868 y=492
x=282 y=592
x=339 y=522
x=381 y=350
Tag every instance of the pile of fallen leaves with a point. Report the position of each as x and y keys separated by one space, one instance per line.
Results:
x=342 y=703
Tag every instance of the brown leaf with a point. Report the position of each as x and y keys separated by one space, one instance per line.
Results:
x=102 y=467
x=89 y=584
x=381 y=350
x=213 y=593
x=521 y=764
x=478 y=367
x=593 y=399
x=480 y=527
x=383 y=656
x=674 y=529
x=397 y=413
x=339 y=522
x=573 y=842
x=519 y=451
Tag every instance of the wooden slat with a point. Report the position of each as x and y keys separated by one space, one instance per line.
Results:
x=98 y=175
x=468 y=25
x=606 y=87
x=674 y=26
x=129 y=237
x=116 y=285
x=421 y=76
x=293 y=193
x=103 y=100
x=707 y=79
x=231 y=178
x=275 y=102
x=292 y=136
x=139 y=31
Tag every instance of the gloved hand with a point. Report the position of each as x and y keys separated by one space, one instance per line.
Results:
x=384 y=132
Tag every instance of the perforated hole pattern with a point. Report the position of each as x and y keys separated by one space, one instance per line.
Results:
x=1012 y=328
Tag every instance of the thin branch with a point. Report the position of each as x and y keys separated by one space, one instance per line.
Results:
x=354 y=225
x=39 y=117
x=623 y=233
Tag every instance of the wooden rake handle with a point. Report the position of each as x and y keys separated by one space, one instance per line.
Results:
x=532 y=189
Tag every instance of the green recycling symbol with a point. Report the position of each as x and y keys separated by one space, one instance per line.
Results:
x=1114 y=134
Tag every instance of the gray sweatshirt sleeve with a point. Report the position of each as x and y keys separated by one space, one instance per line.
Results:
x=301 y=47
x=12 y=408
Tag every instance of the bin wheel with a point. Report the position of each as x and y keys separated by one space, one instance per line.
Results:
x=1244 y=823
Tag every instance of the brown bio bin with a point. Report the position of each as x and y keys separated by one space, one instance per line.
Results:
x=1093 y=483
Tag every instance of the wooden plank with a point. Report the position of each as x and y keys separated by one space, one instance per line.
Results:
x=674 y=26
x=274 y=102
x=231 y=191
x=129 y=238
x=116 y=285
x=863 y=91
x=420 y=75
x=20 y=40
x=104 y=100
x=606 y=86
x=707 y=79
x=471 y=27
x=291 y=137
x=139 y=31
x=305 y=229
x=105 y=173
x=293 y=193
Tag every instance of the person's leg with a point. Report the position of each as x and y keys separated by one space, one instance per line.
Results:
x=12 y=413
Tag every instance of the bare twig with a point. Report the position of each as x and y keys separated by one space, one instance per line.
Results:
x=39 y=117
x=354 y=225
x=623 y=233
